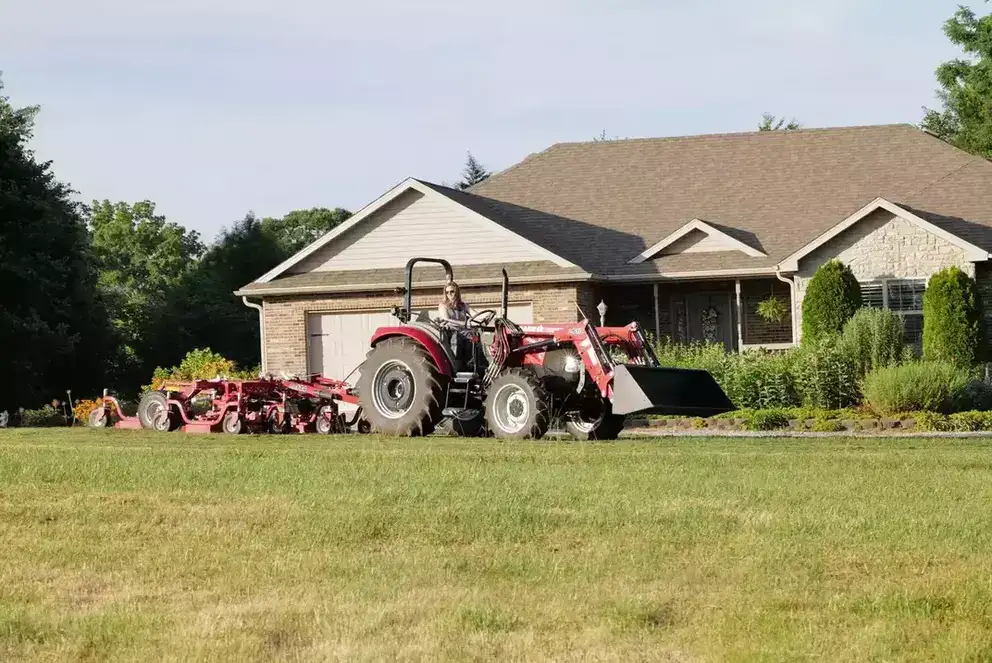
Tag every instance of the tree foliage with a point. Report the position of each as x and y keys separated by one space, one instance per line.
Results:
x=832 y=296
x=51 y=332
x=301 y=227
x=770 y=123
x=473 y=173
x=141 y=258
x=952 y=318
x=965 y=86
x=203 y=310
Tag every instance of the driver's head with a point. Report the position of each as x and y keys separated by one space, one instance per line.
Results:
x=452 y=294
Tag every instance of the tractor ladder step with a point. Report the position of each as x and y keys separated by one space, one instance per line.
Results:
x=456 y=411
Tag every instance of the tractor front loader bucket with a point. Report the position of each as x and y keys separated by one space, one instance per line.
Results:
x=678 y=391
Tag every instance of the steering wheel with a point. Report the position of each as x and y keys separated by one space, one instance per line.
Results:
x=487 y=315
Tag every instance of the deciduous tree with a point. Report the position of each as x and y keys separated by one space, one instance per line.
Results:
x=965 y=86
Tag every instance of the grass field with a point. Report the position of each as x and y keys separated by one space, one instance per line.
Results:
x=127 y=545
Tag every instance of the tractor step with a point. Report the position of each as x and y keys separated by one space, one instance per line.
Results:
x=463 y=377
x=457 y=411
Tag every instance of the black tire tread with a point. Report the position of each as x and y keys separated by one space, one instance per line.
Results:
x=608 y=429
x=541 y=405
x=419 y=422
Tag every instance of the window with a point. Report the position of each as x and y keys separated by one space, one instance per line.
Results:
x=901 y=296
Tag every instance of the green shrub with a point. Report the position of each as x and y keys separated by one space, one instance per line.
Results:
x=832 y=297
x=931 y=421
x=976 y=395
x=758 y=379
x=971 y=421
x=825 y=375
x=200 y=364
x=952 y=318
x=827 y=426
x=874 y=338
x=751 y=379
x=767 y=420
x=710 y=357
x=43 y=417
x=916 y=386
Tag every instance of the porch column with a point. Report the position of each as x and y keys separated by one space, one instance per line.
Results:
x=657 y=315
x=740 y=317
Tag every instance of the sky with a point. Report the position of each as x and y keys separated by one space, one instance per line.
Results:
x=213 y=108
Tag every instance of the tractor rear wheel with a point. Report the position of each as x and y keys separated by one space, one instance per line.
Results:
x=594 y=421
x=517 y=406
x=400 y=389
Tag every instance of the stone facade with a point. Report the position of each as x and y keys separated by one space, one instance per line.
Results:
x=882 y=246
x=285 y=317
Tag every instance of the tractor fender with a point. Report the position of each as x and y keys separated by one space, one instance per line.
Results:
x=429 y=343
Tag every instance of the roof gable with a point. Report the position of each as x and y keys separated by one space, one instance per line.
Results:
x=472 y=229
x=972 y=252
x=697 y=236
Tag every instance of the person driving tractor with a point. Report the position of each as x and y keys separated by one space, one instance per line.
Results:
x=452 y=308
x=456 y=313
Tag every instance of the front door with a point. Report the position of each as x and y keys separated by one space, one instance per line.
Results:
x=710 y=318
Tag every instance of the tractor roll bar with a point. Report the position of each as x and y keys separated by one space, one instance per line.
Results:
x=405 y=313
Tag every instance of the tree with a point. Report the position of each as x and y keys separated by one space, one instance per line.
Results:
x=770 y=123
x=204 y=312
x=952 y=318
x=966 y=86
x=51 y=334
x=832 y=297
x=473 y=173
x=141 y=258
x=301 y=227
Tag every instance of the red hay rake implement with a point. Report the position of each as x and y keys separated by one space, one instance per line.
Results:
x=238 y=406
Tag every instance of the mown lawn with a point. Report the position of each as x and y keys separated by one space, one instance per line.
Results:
x=127 y=545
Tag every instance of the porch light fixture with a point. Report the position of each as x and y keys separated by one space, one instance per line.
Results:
x=601 y=308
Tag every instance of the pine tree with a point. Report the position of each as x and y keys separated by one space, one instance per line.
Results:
x=473 y=173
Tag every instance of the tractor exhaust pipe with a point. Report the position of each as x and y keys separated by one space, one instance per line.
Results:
x=657 y=390
x=505 y=297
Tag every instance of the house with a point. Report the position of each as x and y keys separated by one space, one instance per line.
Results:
x=685 y=235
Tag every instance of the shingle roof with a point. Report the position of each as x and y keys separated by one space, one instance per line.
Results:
x=423 y=276
x=599 y=204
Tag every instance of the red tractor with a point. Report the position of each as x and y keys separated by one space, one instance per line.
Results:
x=513 y=380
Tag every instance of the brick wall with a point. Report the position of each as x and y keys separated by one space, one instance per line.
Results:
x=285 y=317
x=757 y=329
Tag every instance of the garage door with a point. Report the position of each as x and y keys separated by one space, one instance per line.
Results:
x=338 y=342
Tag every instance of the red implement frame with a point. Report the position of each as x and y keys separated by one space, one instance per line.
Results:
x=258 y=404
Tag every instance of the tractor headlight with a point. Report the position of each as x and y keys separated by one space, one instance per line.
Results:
x=572 y=364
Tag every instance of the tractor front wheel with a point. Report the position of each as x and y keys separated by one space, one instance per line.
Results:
x=400 y=389
x=517 y=406
x=594 y=421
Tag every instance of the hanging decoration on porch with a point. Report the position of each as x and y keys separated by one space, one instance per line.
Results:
x=772 y=308
x=709 y=318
